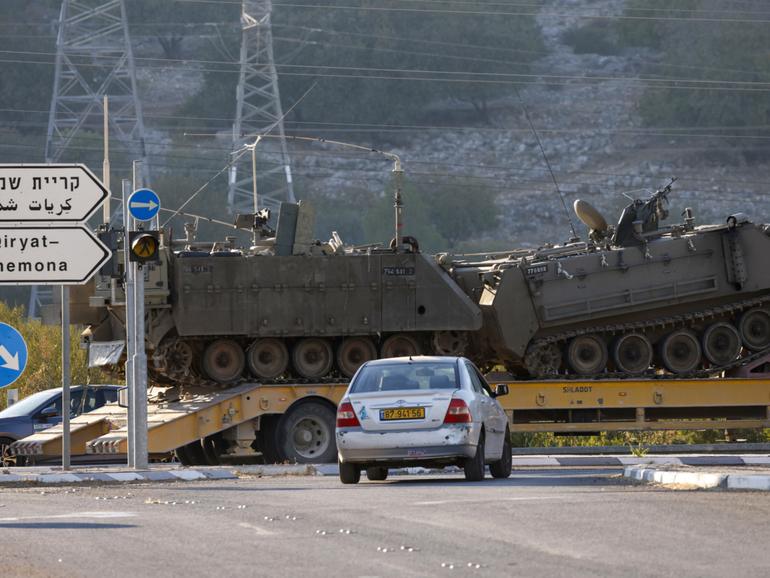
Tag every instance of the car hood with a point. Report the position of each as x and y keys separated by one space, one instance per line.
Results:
x=17 y=426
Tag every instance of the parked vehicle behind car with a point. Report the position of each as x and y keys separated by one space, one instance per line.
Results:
x=43 y=409
x=421 y=411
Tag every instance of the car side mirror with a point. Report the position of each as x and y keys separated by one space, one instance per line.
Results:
x=123 y=397
x=48 y=412
x=501 y=389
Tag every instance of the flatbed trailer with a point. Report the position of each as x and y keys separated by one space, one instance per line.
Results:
x=295 y=422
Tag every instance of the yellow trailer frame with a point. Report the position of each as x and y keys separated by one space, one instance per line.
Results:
x=569 y=406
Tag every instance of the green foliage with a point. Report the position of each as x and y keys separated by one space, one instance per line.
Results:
x=596 y=37
x=638 y=442
x=703 y=43
x=44 y=361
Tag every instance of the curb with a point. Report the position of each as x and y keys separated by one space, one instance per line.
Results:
x=667 y=460
x=703 y=480
x=179 y=475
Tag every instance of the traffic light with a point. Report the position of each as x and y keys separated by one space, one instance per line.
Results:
x=144 y=246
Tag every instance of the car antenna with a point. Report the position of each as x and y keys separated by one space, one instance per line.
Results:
x=547 y=163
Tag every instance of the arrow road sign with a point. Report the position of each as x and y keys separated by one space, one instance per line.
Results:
x=13 y=355
x=47 y=193
x=143 y=205
x=49 y=255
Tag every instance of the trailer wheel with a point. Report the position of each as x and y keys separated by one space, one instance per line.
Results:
x=306 y=434
x=267 y=443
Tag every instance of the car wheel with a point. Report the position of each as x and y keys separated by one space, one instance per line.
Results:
x=474 y=467
x=502 y=468
x=349 y=473
x=377 y=474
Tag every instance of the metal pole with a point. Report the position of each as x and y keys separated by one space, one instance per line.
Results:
x=106 y=213
x=65 y=376
x=130 y=333
x=140 y=372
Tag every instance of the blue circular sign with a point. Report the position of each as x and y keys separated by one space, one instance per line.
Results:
x=13 y=355
x=143 y=204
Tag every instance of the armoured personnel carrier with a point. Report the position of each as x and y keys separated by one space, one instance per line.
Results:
x=635 y=298
x=287 y=307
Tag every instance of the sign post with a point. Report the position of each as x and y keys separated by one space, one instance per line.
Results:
x=142 y=205
x=43 y=242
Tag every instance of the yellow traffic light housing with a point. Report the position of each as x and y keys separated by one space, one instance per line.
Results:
x=144 y=246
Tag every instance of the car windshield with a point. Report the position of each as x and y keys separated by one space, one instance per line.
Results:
x=399 y=376
x=30 y=403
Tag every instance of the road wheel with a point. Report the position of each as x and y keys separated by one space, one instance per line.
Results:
x=349 y=473
x=474 y=467
x=543 y=360
x=721 y=343
x=312 y=358
x=305 y=434
x=400 y=345
x=353 y=352
x=680 y=351
x=632 y=353
x=587 y=355
x=377 y=474
x=268 y=358
x=755 y=329
x=502 y=468
x=224 y=361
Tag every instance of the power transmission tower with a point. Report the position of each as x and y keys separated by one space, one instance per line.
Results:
x=259 y=112
x=93 y=60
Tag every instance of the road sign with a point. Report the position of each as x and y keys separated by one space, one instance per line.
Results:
x=13 y=355
x=46 y=193
x=49 y=255
x=143 y=205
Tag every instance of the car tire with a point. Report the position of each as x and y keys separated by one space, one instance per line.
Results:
x=349 y=473
x=502 y=468
x=474 y=467
x=377 y=474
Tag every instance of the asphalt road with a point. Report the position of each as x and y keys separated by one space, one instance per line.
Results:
x=548 y=522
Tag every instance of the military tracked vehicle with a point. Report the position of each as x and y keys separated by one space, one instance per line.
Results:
x=635 y=298
x=288 y=307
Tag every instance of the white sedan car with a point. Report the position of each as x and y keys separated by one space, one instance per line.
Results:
x=421 y=411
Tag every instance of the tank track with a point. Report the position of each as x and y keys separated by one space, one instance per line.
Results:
x=661 y=323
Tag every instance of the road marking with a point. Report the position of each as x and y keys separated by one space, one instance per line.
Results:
x=257 y=529
x=483 y=500
x=74 y=515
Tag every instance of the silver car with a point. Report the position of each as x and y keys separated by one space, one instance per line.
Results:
x=421 y=411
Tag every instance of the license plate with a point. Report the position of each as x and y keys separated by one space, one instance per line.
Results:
x=398 y=413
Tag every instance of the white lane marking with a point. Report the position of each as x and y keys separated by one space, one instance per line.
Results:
x=257 y=529
x=484 y=500
x=74 y=515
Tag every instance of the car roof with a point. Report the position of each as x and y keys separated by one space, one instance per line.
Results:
x=415 y=359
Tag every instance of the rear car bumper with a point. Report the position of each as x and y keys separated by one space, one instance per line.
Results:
x=446 y=443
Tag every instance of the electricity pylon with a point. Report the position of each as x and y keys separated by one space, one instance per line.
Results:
x=258 y=112
x=93 y=60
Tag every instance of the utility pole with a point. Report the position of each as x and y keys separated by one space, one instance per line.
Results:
x=258 y=112
x=94 y=60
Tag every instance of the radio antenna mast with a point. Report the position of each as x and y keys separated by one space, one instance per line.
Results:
x=547 y=163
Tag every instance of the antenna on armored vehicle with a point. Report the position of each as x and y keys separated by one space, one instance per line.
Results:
x=575 y=236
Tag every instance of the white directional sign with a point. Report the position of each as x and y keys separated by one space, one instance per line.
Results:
x=45 y=193
x=49 y=255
